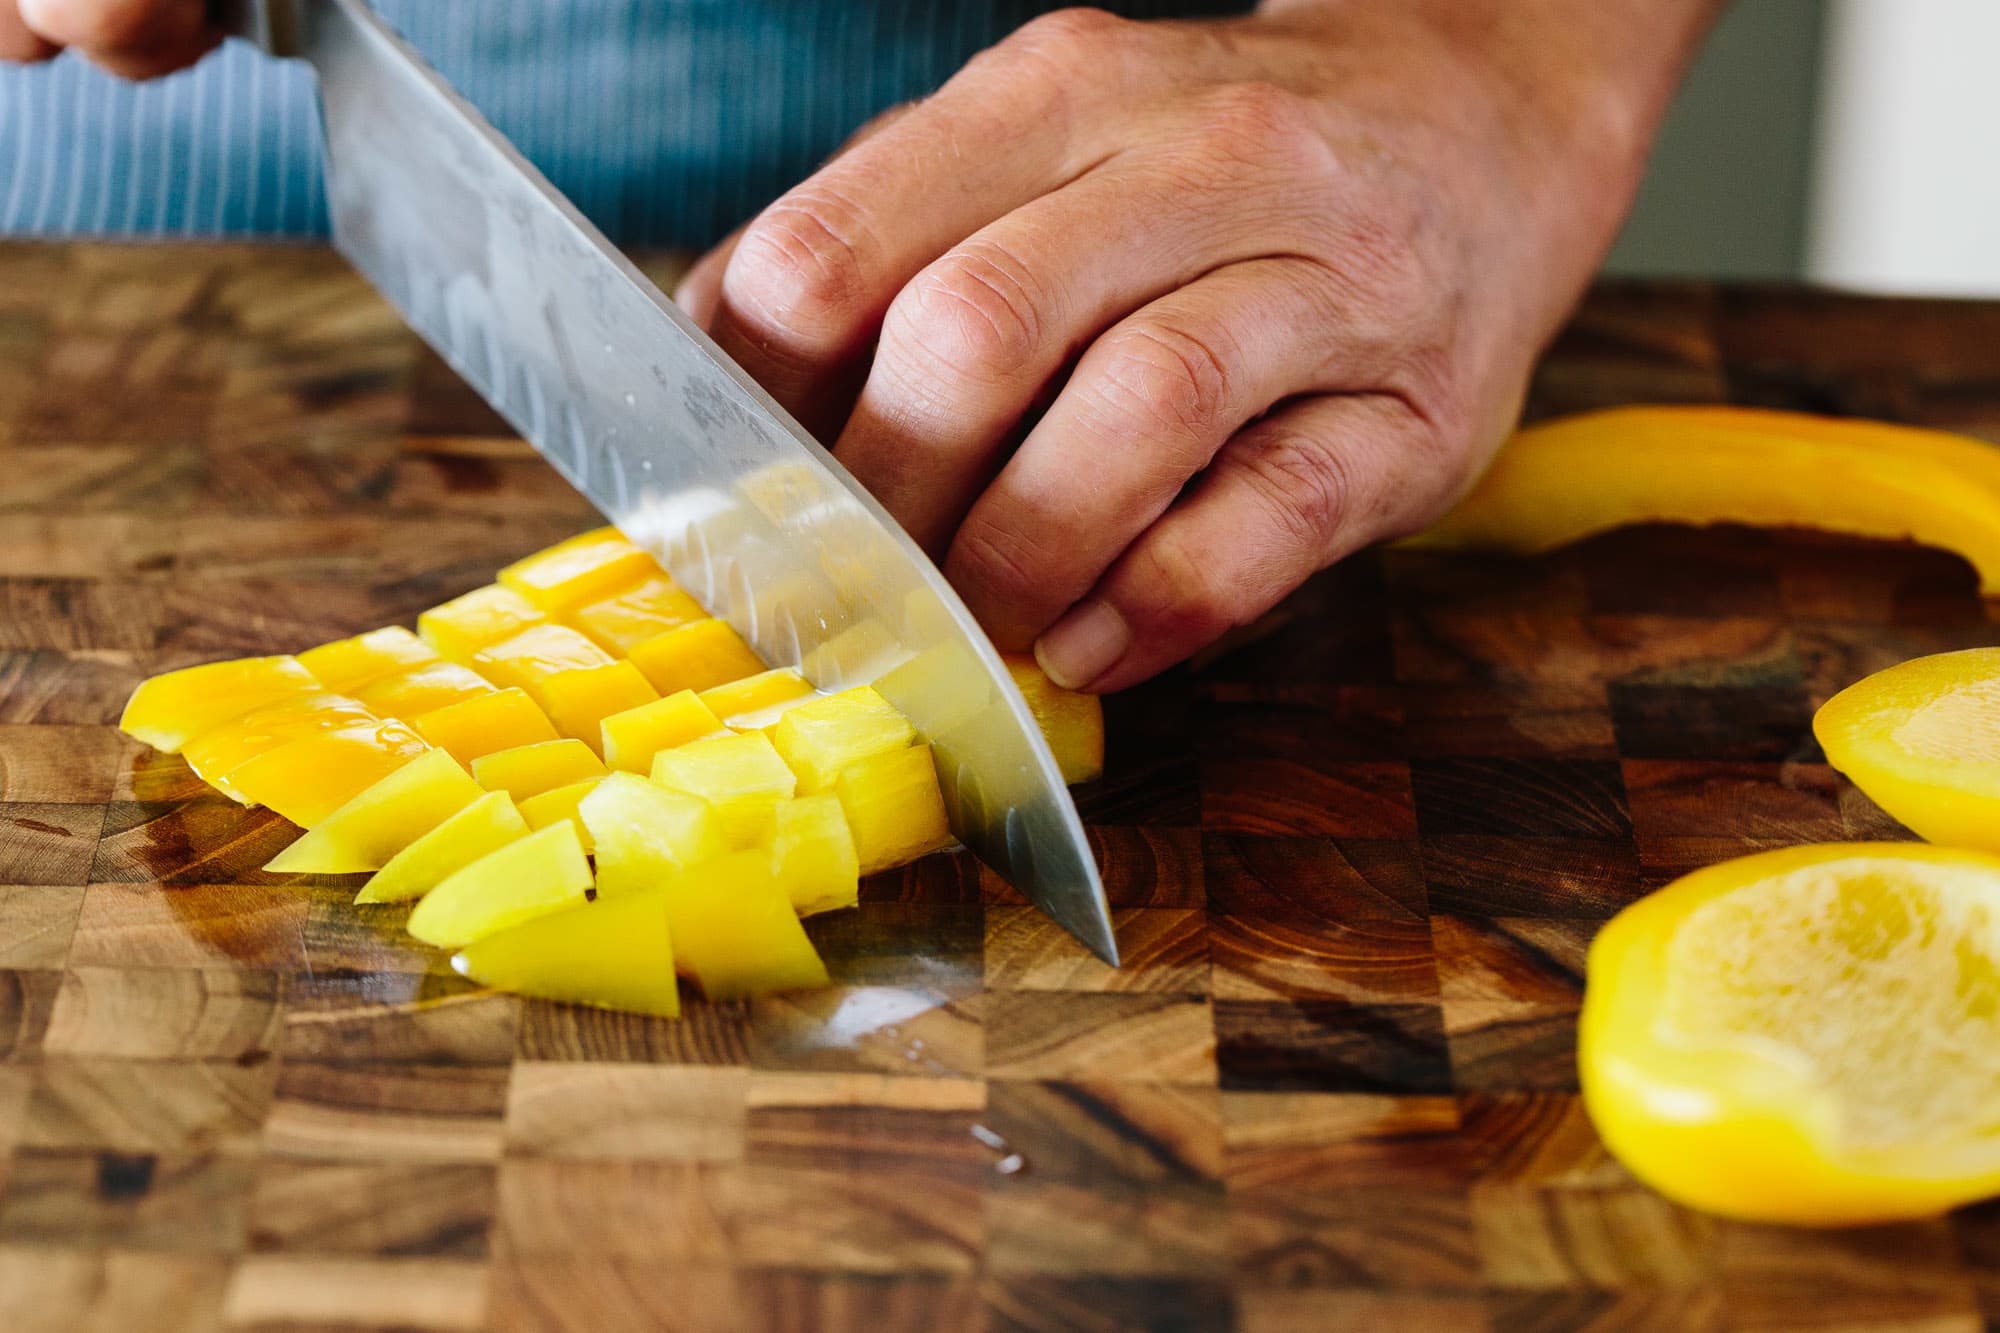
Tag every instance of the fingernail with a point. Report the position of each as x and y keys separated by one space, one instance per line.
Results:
x=1083 y=645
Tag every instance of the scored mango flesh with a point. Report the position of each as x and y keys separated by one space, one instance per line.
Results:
x=488 y=769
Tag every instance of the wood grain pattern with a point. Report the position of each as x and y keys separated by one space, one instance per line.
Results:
x=1356 y=854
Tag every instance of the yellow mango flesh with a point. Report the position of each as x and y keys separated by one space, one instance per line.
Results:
x=633 y=737
x=307 y=779
x=347 y=664
x=812 y=855
x=561 y=803
x=1071 y=722
x=740 y=776
x=894 y=808
x=542 y=873
x=213 y=754
x=535 y=654
x=583 y=569
x=644 y=834
x=530 y=770
x=579 y=701
x=382 y=820
x=614 y=953
x=425 y=689
x=622 y=622
x=819 y=738
x=168 y=711
x=462 y=626
x=485 y=826
x=735 y=932
x=695 y=657
x=746 y=704
x=484 y=723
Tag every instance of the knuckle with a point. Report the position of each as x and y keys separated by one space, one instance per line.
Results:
x=1162 y=379
x=797 y=270
x=976 y=313
x=1264 y=124
x=1006 y=567
x=1191 y=602
x=1307 y=487
x=1068 y=36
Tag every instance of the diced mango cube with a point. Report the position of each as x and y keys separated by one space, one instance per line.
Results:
x=633 y=737
x=542 y=873
x=480 y=725
x=579 y=701
x=167 y=711
x=645 y=834
x=622 y=622
x=410 y=695
x=383 y=819
x=536 y=653
x=583 y=569
x=823 y=736
x=530 y=770
x=757 y=701
x=561 y=803
x=614 y=953
x=307 y=779
x=213 y=754
x=465 y=624
x=348 y=664
x=1073 y=723
x=812 y=854
x=696 y=657
x=734 y=929
x=894 y=807
x=487 y=825
x=740 y=776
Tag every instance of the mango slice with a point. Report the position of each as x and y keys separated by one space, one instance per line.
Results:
x=734 y=929
x=819 y=738
x=347 y=664
x=484 y=723
x=740 y=776
x=633 y=737
x=530 y=770
x=758 y=701
x=579 y=701
x=696 y=657
x=213 y=754
x=1564 y=480
x=622 y=622
x=425 y=689
x=1923 y=740
x=535 y=654
x=812 y=855
x=542 y=873
x=561 y=803
x=894 y=807
x=168 y=711
x=307 y=779
x=588 y=566
x=645 y=835
x=465 y=624
x=485 y=826
x=1071 y=722
x=383 y=819
x=614 y=953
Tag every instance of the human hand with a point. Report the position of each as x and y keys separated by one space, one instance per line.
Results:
x=137 y=39
x=1275 y=286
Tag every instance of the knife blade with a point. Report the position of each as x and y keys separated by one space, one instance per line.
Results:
x=679 y=448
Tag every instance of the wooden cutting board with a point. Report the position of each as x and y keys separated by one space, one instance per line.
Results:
x=1356 y=859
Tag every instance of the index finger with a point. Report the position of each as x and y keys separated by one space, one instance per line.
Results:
x=18 y=42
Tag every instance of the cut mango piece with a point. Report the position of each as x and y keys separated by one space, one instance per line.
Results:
x=735 y=932
x=894 y=807
x=410 y=695
x=462 y=626
x=347 y=664
x=168 y=711
x=614 y=953
x=1559 y=482
x=485 y=826
x=480 y=725
x=542 y=873
x=633 y=737
x=213 y=754
x=645 y=834
x=561 y=803
x=1923 y=740
x=382 y=820
x=587 y=567
x=812 y=855
x=740 y=776
x=579 y=701
x=1071 y=722
x=307 y=779
x=535 y=654
x=696 y=657
x=620 y=623
x=757 y=701
x=821 y=737
x=530 y=770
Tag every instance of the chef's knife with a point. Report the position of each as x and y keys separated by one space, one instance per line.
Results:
x=660 y=430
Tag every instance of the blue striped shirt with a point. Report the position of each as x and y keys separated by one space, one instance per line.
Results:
x=666 y=121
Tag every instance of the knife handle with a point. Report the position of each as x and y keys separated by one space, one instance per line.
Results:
x=275 y=25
